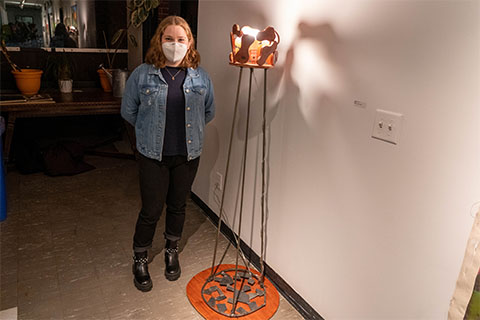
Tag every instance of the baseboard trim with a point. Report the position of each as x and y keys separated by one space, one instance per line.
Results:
x=283 y=287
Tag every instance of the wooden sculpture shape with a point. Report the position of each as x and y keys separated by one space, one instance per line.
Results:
x=253 y=48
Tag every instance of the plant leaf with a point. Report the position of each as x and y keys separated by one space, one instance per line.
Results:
x=147 y=4
x=118 y=35
x=136 y=22
x=155 y=3
x=133 y=41
x=139 y=16
x=138 y=3
x=142 y=14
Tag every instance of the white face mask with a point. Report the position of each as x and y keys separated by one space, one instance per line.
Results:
x=174 y=51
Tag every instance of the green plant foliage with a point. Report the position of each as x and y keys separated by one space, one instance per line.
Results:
x=59 y=67
x=118 y=36
x=132 y=40
x=140 y=10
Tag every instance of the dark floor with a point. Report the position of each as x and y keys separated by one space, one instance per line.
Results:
x=66 y=249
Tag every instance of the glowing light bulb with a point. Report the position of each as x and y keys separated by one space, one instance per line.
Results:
x=250 y=31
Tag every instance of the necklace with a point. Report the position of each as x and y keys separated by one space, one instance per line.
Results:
x=174 y=75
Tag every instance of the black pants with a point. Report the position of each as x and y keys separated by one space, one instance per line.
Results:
x=168 y=181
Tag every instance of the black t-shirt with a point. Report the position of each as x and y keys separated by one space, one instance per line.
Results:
x=174 y=142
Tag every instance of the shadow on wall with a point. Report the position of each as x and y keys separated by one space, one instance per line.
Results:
x=313 y=68
x=299 y=91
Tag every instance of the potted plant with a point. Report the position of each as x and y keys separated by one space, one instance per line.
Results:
x=60 y=68
x=64 y=74
x=28 y=81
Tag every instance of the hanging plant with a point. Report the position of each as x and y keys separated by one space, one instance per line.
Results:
x=139 y=12
x=140 y=9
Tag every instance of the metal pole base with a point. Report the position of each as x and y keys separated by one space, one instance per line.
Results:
x=213 y=297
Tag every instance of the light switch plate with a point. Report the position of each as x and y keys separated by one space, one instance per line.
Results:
x=387 y=125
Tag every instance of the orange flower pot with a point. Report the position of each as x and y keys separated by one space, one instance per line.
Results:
x=105 y=80
x=28 y=81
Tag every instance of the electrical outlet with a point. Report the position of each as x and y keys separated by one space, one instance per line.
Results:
x=387 y=126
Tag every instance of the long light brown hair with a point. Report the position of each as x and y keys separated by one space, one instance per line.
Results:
x=155 y=53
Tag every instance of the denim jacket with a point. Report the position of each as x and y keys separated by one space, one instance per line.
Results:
x=144 y=106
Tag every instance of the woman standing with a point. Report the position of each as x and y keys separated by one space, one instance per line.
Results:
x=168 y=100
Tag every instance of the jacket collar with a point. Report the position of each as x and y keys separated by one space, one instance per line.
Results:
x=154 y=70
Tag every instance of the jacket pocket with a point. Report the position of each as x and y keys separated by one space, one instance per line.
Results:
x=199 y=90
x=148 y=95
x=198 y=96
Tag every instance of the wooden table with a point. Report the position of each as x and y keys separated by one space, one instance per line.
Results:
x=86 y=102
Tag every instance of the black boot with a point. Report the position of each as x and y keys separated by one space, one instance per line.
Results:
x=172 y=265
x=140 y=270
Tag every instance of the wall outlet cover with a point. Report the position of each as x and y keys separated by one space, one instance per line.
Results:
x=387 y=125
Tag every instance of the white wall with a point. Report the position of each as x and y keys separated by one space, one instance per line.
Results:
x=360 y=228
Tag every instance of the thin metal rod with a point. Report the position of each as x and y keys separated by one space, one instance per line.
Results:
x=242 y=255
x=235 y=296
x=226 y=169
x=263 y=199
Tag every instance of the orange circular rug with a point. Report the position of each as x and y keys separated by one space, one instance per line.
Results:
x=214 y=299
